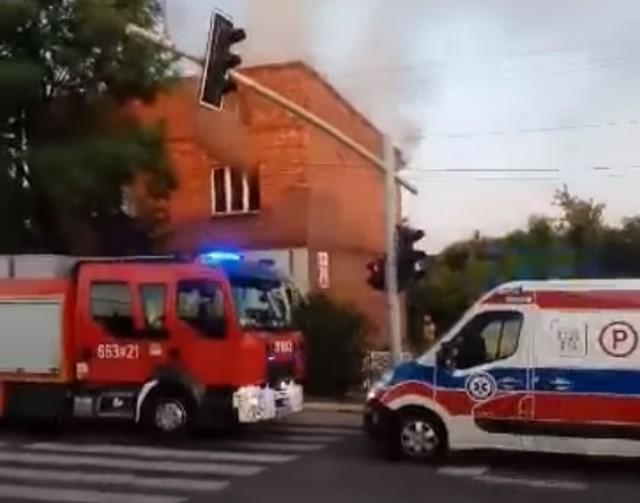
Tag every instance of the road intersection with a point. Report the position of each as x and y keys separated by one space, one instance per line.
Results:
x=316 y=456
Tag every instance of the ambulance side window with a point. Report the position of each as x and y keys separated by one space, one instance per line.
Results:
x=487 y=338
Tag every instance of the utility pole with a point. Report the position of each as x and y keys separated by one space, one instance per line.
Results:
x=274 y=97
x=391 y=264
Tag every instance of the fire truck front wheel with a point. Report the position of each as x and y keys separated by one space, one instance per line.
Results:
x=168 y=414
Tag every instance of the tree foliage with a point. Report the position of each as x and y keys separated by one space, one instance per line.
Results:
x=67 y=145
x=575 y=244
x=334 y=336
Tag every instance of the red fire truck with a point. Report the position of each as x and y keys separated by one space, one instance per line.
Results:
x=169 y=343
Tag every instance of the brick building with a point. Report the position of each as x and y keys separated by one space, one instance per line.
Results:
x=313 y=207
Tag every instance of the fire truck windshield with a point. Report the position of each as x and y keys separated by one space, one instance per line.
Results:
x=262 y=304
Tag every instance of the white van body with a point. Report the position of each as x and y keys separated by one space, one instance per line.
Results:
x=562 y=375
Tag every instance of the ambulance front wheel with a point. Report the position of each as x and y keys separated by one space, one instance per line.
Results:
x=418 y=435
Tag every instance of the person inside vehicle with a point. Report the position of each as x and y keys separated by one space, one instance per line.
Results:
x=471 y=351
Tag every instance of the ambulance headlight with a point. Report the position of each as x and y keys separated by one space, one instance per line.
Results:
x=384 y=381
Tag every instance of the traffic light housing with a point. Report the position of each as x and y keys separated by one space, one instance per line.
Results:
x=216 y=82
x=412 y=263
x=376 y=278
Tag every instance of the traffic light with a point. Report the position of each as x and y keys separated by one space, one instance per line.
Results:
x=216 y=83
x=376 y=279
x=412 y=263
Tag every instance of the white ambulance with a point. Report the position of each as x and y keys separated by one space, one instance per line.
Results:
x=550 y=366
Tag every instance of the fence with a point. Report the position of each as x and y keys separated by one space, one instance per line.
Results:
x=375 y=363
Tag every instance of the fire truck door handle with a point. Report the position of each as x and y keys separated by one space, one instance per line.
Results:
x=174 y=353
x=86 y=354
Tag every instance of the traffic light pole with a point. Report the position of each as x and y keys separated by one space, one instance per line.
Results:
x=278 y=99
x=391 y=264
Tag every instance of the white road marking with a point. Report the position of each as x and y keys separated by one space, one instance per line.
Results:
x=297 y=429
x=463 y=471
x=565 y=485
x=273 y=446
x=130 y=464
x=154 y=452
x=303 y=439
x=125 y=479
x=50 y=494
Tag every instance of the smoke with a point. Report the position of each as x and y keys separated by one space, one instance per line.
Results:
x=358 y=45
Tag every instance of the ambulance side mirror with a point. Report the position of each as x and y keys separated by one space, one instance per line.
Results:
x=445 y=355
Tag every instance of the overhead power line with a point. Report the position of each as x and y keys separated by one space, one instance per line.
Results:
x=412 y=170
x=427 y=137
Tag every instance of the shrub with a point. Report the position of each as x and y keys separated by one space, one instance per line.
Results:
x=334 y=335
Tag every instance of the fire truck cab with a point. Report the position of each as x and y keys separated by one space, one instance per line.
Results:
x=168 y=343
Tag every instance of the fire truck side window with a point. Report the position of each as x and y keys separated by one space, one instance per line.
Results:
x=201 y=305
x=153 y=300
x=111 y=306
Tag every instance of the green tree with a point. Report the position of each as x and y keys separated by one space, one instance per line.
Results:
x=334 y=335
x=67 y=145
x=577 y=244
x=581 y=227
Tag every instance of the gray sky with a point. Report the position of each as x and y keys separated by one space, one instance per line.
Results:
x=470 y=85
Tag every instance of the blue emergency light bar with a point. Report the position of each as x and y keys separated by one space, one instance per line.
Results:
x=215 y=257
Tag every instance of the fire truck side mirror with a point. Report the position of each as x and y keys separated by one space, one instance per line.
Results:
x=216 y=328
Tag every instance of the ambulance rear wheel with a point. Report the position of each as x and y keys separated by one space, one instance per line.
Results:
x=418 y=436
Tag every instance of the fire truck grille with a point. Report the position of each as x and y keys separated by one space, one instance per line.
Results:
x=280 y=371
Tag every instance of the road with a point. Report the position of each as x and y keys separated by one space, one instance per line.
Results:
x=315 y=457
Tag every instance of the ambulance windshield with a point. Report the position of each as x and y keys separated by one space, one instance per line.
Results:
x=262 y=304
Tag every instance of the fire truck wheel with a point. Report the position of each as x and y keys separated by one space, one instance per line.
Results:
x=418 y=435
x=168 y=414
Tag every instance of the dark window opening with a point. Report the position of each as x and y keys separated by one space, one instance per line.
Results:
x=201 y=305
x=111 y=306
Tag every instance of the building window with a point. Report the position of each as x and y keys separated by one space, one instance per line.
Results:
x=233 y=191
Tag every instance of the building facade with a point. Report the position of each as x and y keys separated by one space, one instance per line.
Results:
x=311 y=205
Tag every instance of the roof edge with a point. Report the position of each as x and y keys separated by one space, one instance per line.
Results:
x=308 y=69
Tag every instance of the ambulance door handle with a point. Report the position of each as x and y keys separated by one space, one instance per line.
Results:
x=560 y=384
x=509 y=383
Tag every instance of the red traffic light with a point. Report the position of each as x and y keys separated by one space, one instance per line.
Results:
x=376 y=277
x=409 y=235
x=215 y=81
x=237 y=35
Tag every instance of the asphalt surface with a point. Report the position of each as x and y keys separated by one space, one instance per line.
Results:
x=314 y=457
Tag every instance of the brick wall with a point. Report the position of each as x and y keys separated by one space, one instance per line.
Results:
x=314 y=192
x=346 y=207
x=274 y=140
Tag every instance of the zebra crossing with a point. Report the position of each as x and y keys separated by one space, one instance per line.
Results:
x=101 y=472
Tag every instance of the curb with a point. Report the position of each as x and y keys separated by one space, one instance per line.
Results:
x=353 y=408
